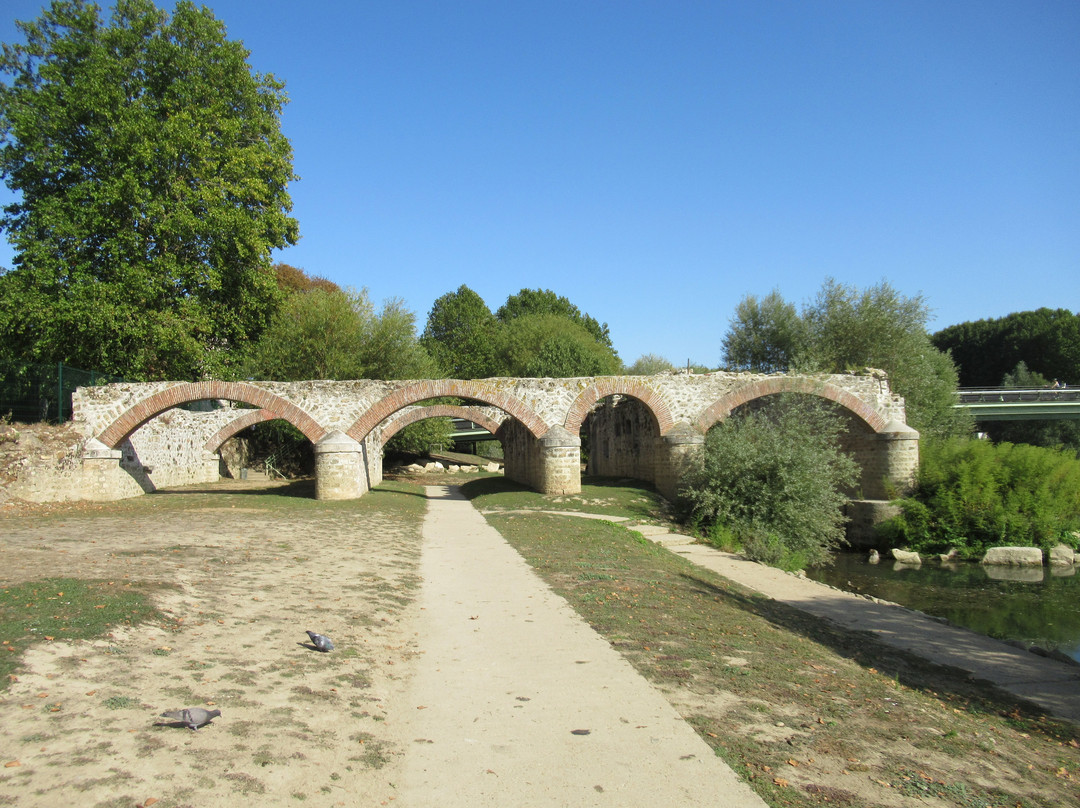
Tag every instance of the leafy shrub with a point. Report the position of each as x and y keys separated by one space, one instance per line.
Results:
x=973 y=494
x=771 y=482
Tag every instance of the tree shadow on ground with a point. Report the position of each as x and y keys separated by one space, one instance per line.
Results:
x=865 y=649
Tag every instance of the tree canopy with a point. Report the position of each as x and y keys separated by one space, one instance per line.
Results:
x=151 y=175
x=545 y=301
x=535 y=333
x=844 y=329
x=1046 y=340
x=325 y=334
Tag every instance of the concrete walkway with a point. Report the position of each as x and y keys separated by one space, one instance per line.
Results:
x=516 y=701
x=1051 y=684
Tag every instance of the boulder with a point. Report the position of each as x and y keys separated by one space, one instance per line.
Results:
x=434 y=465
x=1062 y=555
x=906 y=556
x=1014 y=556
x=492 y=467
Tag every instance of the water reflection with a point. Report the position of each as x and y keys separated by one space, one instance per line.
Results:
x=1033 y=604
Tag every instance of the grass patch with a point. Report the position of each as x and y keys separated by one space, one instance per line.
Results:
x=65 y=609
x=617 y=498
x=806 y=711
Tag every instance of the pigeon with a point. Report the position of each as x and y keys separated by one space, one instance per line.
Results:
x=321 y=642
x=194 y=717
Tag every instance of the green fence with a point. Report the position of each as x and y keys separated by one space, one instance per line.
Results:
x=33 y=393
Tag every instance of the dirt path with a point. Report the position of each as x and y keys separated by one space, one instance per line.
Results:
x=518 y=702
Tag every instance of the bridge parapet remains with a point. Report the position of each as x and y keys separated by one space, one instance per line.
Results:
x=539 y=421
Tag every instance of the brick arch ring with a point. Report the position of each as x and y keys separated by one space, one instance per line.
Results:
x=437 y=388
x=474 y=414
x=186 y=392
x=618 y=385
x=784 y=384
x=249 y=418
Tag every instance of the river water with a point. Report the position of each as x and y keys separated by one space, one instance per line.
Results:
x=1040 y=605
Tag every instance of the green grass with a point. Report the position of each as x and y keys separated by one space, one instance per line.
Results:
x=65 y=609
x=614 y=498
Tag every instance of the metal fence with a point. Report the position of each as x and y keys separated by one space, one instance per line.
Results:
x=33 y=393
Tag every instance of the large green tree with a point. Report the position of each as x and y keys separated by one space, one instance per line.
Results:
x=327 y=334
x=765 y=335
x=545 y=301
x=462 y=335
x=846 y=328
x=553 y=346
x=1046 y=340
x=151 y=176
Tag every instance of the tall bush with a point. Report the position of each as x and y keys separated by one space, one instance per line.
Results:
x=973 y=494
x=771 y=482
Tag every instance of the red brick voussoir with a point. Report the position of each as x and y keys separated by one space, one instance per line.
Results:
x=185 y=392
x=786 y=384
x=473 y=414
x=483 y=390
x=618 y=385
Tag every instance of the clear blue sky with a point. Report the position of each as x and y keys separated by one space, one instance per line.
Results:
x=657 y=161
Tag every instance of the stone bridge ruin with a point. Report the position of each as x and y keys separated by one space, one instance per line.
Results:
x=644 y=427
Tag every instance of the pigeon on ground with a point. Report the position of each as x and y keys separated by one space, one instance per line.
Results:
x=321 y=642
x=194 y=717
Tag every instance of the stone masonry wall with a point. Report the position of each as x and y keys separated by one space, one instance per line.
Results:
x=162 y=445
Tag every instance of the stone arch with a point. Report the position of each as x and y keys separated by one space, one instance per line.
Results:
x=249 y=418
x=790 y=384
x=186 y=392
x=474 y=414
x=438 y=388
x=605 y=386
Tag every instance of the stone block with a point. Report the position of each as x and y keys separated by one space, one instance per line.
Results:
x=1014 y=556
x=1062 y=555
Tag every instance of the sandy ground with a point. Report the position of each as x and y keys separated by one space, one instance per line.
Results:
x=297 y=726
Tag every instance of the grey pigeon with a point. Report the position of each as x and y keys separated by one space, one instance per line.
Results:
x=321 y=641
x=193 y=717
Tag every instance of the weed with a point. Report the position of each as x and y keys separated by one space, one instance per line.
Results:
x=121 y=702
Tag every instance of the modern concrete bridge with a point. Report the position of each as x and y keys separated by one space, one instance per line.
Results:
x=144 y=436
x=1012 y=404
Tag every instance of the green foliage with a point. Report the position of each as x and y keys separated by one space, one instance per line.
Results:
x=535 y=334
x=1046 y=340
x=764 y=336
x=973 y=494
x=461 y=335
x=323 y=334
x=773 y=481
x=649 y=365
x=152 y=175
x=550 y=345
x=545 y=301
x=431 y=434
x=846 y=329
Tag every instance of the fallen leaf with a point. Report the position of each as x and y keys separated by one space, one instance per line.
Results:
x=780 y=781
x=11 y=764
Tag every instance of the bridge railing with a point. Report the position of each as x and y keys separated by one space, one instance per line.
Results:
x=978 y=395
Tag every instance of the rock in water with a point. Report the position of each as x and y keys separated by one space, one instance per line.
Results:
x=320 y=641
x=193 y=717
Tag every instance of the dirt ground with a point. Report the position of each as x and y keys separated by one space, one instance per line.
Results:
x=242 y=586
x=239 y=580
